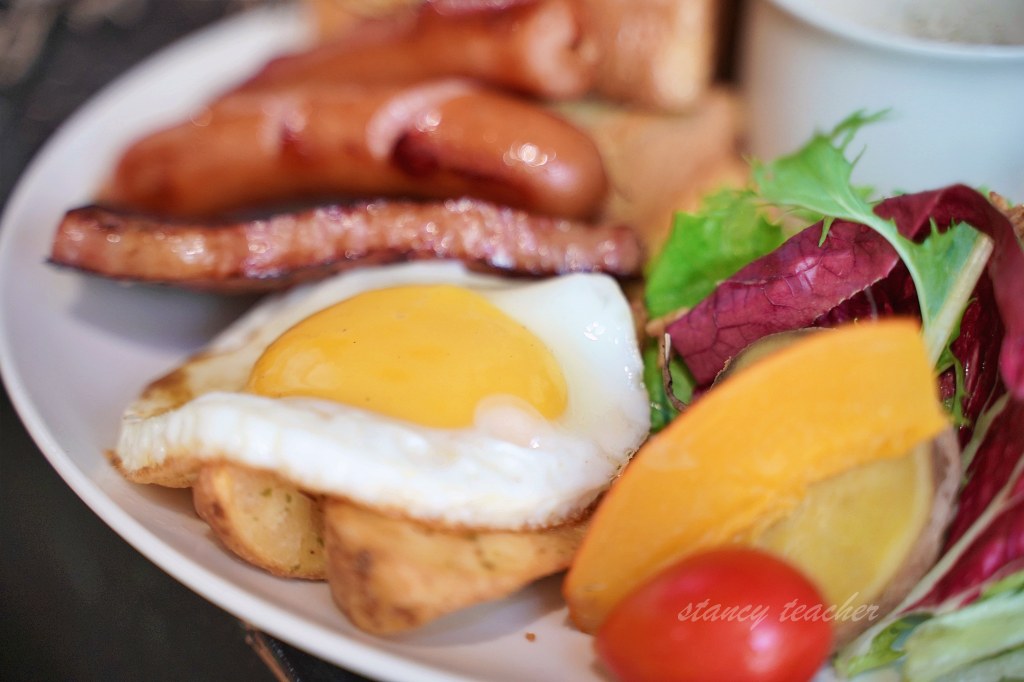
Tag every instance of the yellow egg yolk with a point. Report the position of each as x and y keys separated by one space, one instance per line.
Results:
x=427 y=354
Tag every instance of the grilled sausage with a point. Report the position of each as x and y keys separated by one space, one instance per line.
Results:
x=532 y=47
x=436 y=140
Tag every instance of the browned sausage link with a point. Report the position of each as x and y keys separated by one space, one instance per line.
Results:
x=263 y=149
x=450 y=7
x=532 y=47
x=257 y=149
x=530 y=159
x=279 y=251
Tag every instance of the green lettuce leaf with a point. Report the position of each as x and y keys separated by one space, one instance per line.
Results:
x=886 y=648
x=1007 y=667
x=704 y=248
x=662 y=409
x=978 y=641
x=949 y=643
x=947 y=360
x=707 y=247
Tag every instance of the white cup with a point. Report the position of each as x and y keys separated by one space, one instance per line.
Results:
x=951 y=72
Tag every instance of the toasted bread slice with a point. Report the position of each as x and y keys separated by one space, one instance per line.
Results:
x=661 y=163
x=655 y=54
x=652 y=54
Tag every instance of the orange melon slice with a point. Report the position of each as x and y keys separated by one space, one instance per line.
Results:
x=744 y=456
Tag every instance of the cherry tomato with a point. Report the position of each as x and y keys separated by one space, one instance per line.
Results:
x=734 y=614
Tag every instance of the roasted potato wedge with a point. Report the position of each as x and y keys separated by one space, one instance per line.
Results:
x=263 y=519
x=389 y=575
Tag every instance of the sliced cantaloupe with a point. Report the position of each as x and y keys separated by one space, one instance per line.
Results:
x=744 y=456
x=834 y=533
x=866 y=536
x=855 y=534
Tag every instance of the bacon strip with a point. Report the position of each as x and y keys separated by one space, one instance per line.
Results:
x=272 y=253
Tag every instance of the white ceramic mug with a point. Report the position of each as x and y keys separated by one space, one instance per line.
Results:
x=952 y=74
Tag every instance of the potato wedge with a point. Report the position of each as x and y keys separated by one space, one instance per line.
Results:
x=389 y=575
x=263 y=519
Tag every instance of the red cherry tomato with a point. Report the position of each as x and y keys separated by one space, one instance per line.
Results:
x=736 y=615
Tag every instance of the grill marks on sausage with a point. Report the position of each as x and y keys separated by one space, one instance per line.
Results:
x=284 y=249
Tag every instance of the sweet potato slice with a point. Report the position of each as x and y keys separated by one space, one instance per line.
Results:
x=263 y=519
x=389 y=575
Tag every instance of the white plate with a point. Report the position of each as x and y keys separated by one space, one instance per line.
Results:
x=75 y=350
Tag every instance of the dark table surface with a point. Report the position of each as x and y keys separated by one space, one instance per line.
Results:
x=76 y=601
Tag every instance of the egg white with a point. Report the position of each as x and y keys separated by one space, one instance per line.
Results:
x=512 y=469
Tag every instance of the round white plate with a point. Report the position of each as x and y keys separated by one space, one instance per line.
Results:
x=75 y=350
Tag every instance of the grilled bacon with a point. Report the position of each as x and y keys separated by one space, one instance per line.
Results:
x=284 y=249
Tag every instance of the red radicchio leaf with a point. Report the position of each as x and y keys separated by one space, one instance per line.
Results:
x=786 y=289
x=991 y=468
x=977 y=350
x=894 y=295
x=995 y=554
x=998 y=550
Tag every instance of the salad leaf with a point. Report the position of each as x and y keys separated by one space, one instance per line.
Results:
x=986 y=542
x=972 y=380
x=705 y=247
x=662 y=409
x=801 y=284
x=992 y=464
x=986 y=537
x=1006 y=269
x=949 y=643
x=963 y=644
x=789 y=288
x=1006 y=667
x=886 y=647
x=817 y=178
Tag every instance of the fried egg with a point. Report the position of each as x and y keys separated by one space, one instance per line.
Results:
x=419 y=388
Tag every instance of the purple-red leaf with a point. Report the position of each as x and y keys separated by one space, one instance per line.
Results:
x=787 y=289
x=998 y=549
x=977 y=350
x=991 y=468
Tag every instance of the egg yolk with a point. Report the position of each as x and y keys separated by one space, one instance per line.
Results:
x=426 y=354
